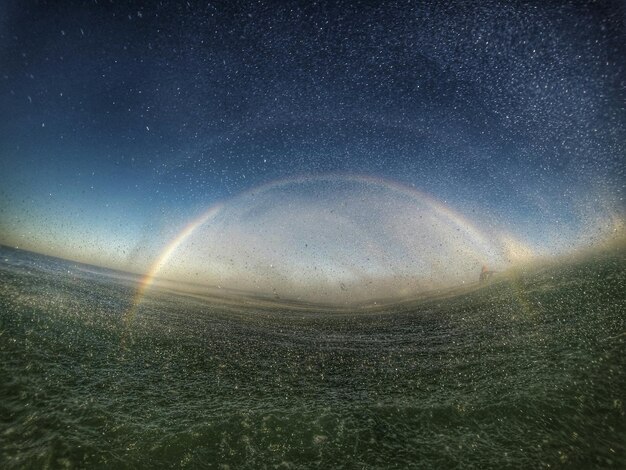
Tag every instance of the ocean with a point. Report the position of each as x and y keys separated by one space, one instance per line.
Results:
x=526 y=371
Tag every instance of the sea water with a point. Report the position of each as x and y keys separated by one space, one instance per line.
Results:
x=527 y=371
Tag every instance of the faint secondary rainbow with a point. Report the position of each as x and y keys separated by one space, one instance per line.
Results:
x=453 y=217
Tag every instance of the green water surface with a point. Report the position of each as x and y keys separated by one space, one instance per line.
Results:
x=526 y=372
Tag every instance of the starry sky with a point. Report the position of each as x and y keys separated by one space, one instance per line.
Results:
x=123 y=121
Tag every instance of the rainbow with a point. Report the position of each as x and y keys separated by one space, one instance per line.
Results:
x=148 y=279
x=454 y=218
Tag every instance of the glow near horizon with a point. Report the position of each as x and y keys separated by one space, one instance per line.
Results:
x=483 y=247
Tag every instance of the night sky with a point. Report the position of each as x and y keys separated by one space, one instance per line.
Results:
x=123 y=123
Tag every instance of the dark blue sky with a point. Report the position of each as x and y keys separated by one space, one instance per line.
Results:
x=119 y=120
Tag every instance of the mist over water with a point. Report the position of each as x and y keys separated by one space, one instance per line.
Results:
x=336 y=239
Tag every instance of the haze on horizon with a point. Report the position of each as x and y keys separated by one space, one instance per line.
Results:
x=341 y=239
